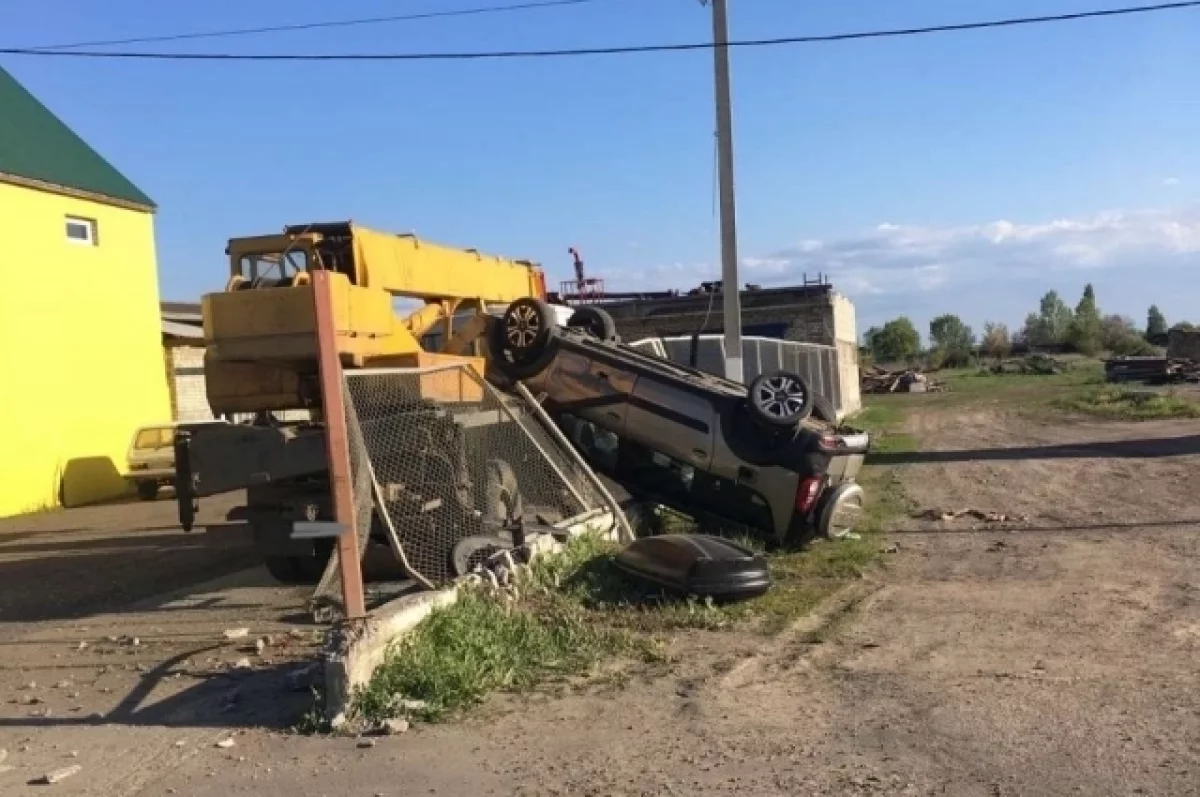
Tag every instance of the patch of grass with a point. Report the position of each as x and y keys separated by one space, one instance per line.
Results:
x=577 y=609
x=1122 y=403
x=982 y=380
x=485 y=643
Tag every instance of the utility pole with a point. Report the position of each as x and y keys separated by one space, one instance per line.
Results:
x=729 y=256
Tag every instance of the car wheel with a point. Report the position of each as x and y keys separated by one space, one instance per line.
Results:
x=841 y=512
x=525 y=328
x=596 y=322
x=147 y=491
x=779 y=399
x=470 y=552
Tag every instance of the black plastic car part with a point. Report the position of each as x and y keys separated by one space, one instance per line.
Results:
x=697 y=564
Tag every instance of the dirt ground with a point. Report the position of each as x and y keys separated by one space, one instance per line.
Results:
x=1053 y=654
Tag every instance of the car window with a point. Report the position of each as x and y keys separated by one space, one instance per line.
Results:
x=670 y=479
x=155 y=438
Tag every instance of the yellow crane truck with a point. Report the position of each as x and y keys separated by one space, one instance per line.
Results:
x=261 y=359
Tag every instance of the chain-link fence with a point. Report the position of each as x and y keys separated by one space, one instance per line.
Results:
x=448 y=457
x=817 y=364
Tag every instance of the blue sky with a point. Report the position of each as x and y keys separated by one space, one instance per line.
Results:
x=960 y=172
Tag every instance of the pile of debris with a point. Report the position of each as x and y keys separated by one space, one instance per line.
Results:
x=1031 y=364
x=880 y=380
x=1152 y=370
x=976 y=514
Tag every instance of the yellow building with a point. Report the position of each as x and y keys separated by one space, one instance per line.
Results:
x=81 y=363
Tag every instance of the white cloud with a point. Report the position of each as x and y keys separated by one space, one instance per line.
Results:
x=901 y=258
x=993 y=270
x=1172 y=181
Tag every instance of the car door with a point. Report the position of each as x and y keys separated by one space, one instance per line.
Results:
x=667 y=417
x=591 y=389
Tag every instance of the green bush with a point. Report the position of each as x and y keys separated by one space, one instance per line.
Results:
x=1134 y=346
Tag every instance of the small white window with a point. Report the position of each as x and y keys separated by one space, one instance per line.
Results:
x=81 y=231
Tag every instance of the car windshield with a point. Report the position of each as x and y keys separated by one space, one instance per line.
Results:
x=273 y=265
x=155 y=438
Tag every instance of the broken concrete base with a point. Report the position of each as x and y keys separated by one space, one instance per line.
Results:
x=354 y=651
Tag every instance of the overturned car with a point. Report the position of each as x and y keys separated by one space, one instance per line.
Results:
x=769 y=456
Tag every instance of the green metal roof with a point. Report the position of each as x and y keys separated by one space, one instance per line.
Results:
x=36 y=145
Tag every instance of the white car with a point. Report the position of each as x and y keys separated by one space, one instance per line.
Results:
x=152 y=457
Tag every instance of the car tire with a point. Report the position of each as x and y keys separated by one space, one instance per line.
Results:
x=147 y=491
x=474 y=550
x=780 y=399
x=596 y=322
x=831 y=519
x=525 y=329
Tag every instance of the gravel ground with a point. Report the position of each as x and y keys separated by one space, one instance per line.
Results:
x=1054 y=653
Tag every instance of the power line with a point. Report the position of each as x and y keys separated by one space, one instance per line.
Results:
x=647 y=48
x=337 y=23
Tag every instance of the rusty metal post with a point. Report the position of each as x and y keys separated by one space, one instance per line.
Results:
x=337 y=445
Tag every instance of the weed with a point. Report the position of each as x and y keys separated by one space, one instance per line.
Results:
x=484 y=643
x=578 y=608
x=1125 y=404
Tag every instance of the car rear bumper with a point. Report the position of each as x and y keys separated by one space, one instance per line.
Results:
x=149 y=475
x=847 y=457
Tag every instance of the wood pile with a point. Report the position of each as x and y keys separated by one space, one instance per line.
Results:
x=1153 y=370
x=1031 y=364
x=875 y=379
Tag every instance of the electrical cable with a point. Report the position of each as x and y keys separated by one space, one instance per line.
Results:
x=337 y=23
x=586 y=51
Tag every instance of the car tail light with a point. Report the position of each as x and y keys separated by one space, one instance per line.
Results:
x=806 y=494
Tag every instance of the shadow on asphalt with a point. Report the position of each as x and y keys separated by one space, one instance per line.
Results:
x=274 y=696
x=67 y=578
x=1114 y=449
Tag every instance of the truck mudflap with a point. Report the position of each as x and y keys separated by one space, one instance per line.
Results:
x=185 y=493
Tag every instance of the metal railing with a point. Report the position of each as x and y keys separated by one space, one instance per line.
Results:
x=816 y=363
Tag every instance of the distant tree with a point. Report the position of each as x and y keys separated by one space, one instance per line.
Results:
x=869 y=336
x=953 y=341
x=996 y=342
x=1114 y=329
x=1156 y=323
x=897 y=341
x=1085 y=332
x=1050 y=325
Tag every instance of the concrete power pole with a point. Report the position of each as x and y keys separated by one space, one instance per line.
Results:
x=729 y=255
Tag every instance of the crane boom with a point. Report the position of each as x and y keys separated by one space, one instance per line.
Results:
x=260 y=331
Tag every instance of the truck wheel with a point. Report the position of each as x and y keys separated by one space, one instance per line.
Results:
x=299 y=569
x=779 y=399
x=596 y=322
x=147 y=491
